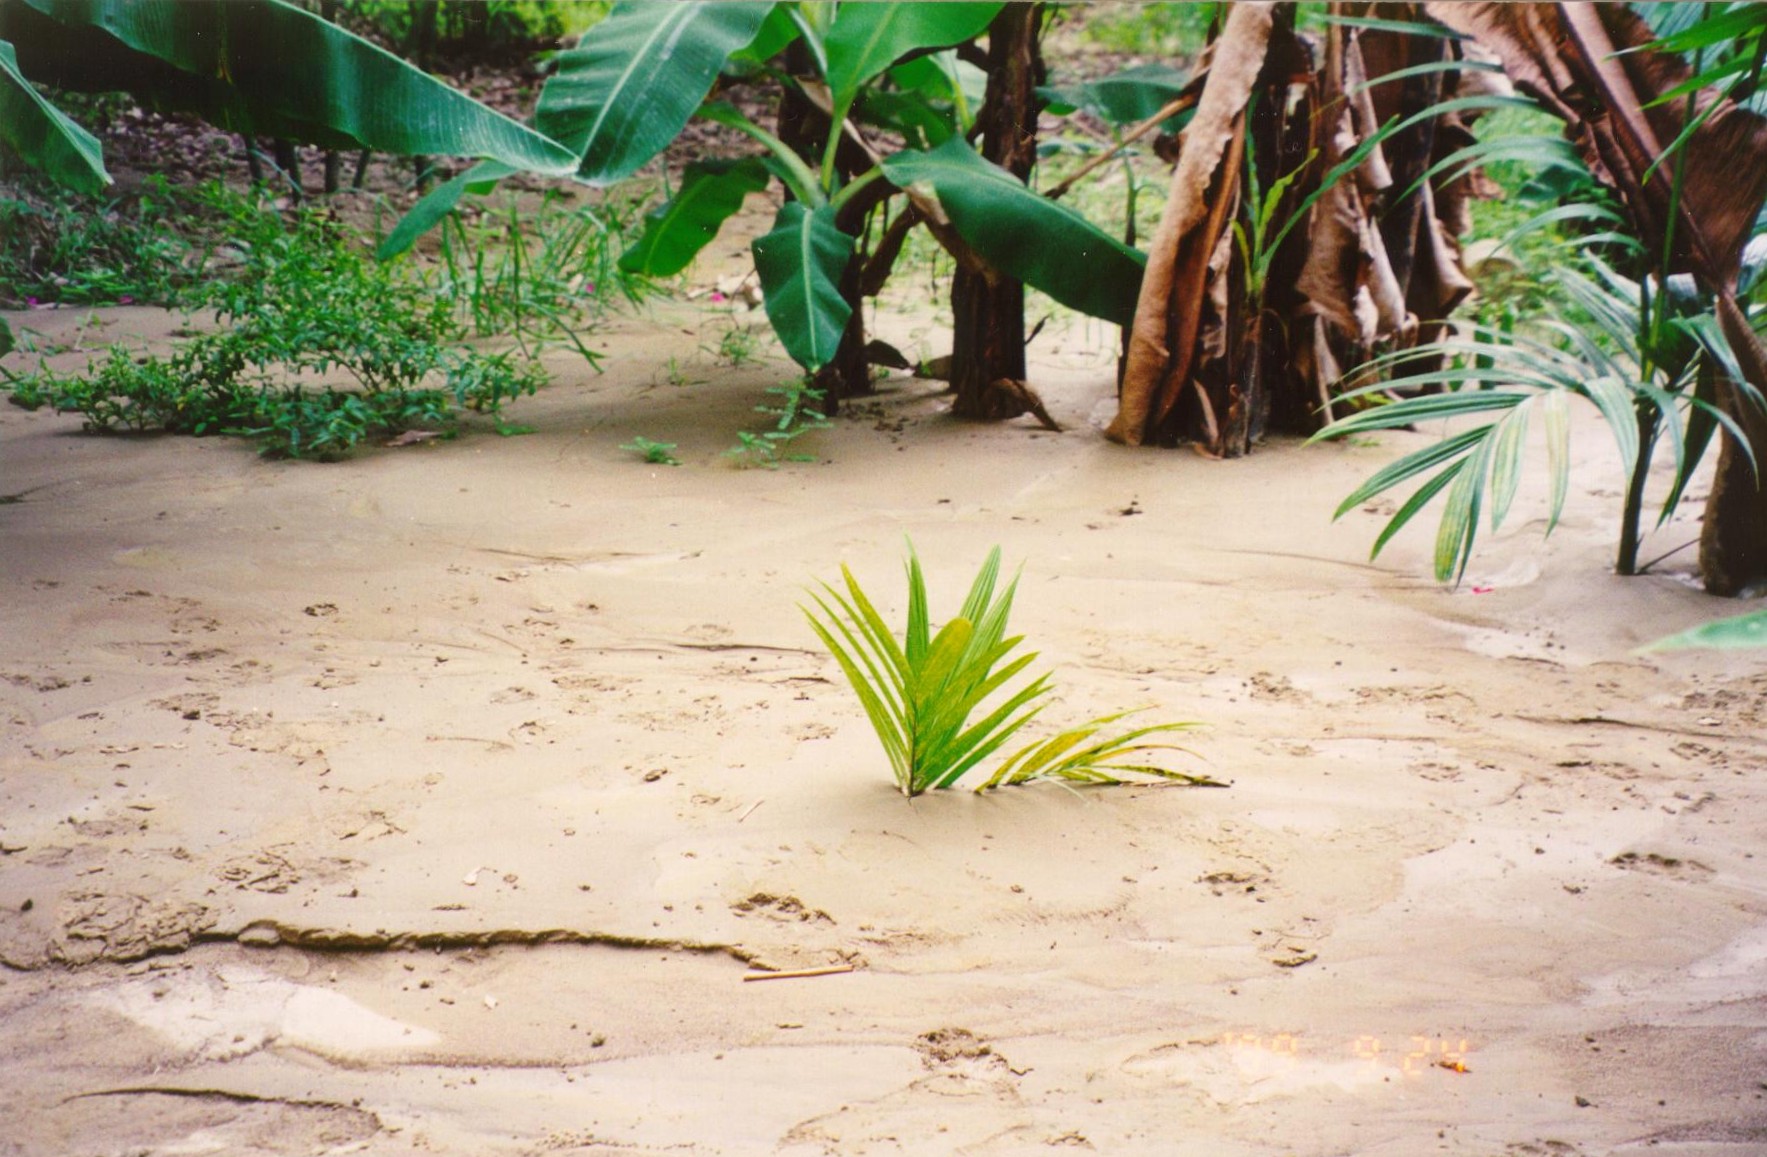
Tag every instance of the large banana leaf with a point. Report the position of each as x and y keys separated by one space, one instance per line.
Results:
x=619 y=97
x=436 y=204
x=674 y=233
x=42 y=135
x=800 y=265
x=866 y=39
x=296 y=74
x=80 y=57
x=776 y=34
x=1040 y=242
x=626 y=91
x=1126 y=97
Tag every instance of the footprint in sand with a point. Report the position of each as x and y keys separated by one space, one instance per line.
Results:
x=1669 y=867
x=786 y=909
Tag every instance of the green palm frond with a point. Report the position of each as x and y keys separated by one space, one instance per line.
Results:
x=1628 y=369
x=1077 y=756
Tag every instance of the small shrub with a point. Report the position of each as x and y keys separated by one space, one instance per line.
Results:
x=738 y=345
x=656 y=453
x=307 y=301
x=798 y=413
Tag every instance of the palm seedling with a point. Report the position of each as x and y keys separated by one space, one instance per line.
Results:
x=921 y=692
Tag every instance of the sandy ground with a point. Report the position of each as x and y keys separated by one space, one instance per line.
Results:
x=440 y=802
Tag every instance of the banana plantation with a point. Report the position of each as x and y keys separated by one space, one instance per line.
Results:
x=1357 y=412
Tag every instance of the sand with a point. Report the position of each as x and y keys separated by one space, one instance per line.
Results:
x=440 y=801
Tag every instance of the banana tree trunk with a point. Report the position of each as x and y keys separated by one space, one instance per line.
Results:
x=988 y=307
x=1269 y=269
x=1733 y=538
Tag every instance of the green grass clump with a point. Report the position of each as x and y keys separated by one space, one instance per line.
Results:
x=655 y=453
x=538 y=274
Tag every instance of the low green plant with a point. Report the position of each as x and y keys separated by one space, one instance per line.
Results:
x=921 y=691
x=327 y=424
x=738 y=346
x=656 y=453
x=799 y=412
x=307 y=301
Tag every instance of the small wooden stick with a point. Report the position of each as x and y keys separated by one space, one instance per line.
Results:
x=798 y=973
x=751 y=810
x=1173 y=108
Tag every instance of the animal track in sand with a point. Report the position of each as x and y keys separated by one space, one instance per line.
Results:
x=39 y=683
x=785 y=909
x=1264 y=685
x=109 y=827
x=1727 y=705
x=269 y=871
x=1409 y=694
x=956 y=1047
x=1234 y=883
x=190 y=706
x=1670 y=867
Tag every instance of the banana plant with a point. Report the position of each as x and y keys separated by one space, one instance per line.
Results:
x=644 y=72
x=802 y=260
